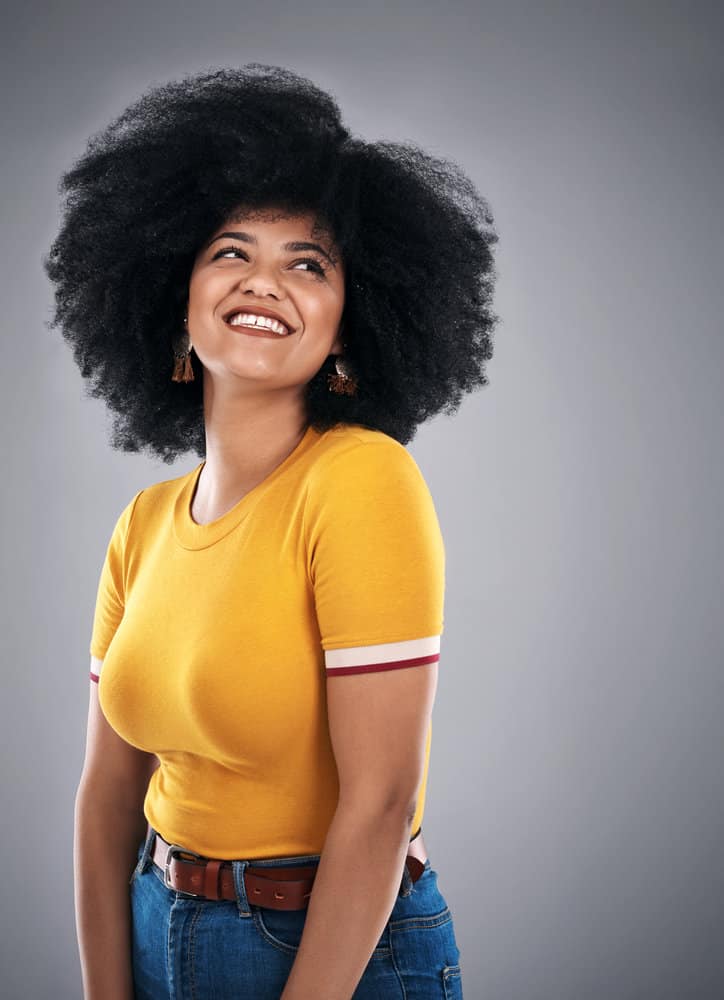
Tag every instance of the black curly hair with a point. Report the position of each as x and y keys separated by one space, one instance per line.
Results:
x=415 y=236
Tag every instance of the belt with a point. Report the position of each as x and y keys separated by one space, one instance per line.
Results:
x=280 y=888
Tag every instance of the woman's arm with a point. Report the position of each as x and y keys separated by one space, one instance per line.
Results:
x=378 y=724
x=109 y=825
x=355 y=888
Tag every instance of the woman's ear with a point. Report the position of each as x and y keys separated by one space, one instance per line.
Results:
x=338 y=345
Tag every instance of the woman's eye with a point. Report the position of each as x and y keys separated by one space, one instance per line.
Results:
x=315 y=266
x=226 y=250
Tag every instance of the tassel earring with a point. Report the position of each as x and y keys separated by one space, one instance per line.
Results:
x=182 y=369
x=342 y=382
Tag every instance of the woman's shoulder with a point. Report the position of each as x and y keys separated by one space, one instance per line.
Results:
x=360 y=443
x=155 y=496
x=363 y=457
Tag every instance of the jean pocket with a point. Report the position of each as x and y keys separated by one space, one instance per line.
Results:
x=283 y=929
x=452 y=982
x=280 y=928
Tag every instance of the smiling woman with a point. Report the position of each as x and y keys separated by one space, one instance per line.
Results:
x=268 y=624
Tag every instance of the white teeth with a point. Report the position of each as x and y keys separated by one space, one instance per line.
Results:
x=252 y=319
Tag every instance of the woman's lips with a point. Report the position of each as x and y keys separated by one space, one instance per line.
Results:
x=257 y=331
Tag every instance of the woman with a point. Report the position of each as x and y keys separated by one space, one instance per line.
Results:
x=242 y=278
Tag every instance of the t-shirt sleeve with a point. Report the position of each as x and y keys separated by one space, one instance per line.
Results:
x=110 y=596
x=375 y=559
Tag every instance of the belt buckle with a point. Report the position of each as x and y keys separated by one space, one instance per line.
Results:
x=173 y=851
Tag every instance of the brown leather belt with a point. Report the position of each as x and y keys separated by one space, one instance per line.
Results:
x=280 y=888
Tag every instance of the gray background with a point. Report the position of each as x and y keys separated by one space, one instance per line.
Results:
x=574 y=809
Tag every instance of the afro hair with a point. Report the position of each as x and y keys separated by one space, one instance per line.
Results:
x=415 y=236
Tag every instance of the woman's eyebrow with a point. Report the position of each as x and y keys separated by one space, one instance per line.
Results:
x=294 y=246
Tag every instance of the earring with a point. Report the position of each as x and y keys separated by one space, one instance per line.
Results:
x=182 y=370
x=343 y=382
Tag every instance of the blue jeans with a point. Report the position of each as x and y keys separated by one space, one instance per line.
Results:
x=198 y=949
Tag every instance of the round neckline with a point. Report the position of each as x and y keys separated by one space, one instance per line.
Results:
x=192 y=535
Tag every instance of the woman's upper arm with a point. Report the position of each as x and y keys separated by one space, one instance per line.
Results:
x=112 y=766
x=376 y=562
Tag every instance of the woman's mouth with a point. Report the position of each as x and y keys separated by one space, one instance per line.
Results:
x=257 y=325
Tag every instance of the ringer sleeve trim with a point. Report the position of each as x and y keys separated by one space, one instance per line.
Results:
x=381 y=656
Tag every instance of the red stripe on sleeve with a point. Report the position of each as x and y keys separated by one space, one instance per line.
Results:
x=368 y=668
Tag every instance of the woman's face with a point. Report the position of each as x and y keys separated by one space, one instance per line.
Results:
x=266 y=262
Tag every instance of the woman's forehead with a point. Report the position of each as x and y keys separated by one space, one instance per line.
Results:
x=276 y=218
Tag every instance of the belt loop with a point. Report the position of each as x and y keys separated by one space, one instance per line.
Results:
x=145 y=860
x=242 y=903
x=407 y=884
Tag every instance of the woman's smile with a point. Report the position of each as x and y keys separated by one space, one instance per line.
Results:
x=255 y=330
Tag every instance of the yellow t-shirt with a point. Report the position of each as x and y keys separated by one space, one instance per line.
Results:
x=218 y=640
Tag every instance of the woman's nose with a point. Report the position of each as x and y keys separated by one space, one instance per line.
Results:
x=259 y=279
